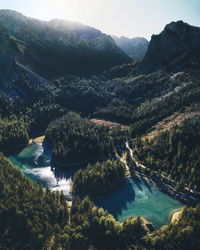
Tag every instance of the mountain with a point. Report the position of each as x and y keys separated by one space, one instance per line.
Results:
x=151 y=122
x=175 y=48
x=54 y=48
x=136 y=47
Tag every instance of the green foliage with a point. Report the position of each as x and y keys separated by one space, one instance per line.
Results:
x=115 y=99
x=14 y=127
x=13 y=132
x=150 y=112
x=99 y=178
x=28 y=215
x=94 y=228
x=33 y=219
x=182 y=235
x=42 y=115
x=72 y=138
x=175 y=152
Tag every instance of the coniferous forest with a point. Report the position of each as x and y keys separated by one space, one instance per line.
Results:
x=72 y=138
x=105 y=116
x=98 y=178
x=32 y=218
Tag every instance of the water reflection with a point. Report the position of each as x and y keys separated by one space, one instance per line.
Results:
x=116 y=201
x=137 y=182
x=60 y=174
x=137 y=197
x=35 y=162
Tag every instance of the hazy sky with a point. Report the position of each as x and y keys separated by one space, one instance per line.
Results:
x=118 y=17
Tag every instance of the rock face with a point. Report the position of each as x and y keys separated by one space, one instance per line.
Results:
x=136 y=47
x=57 y=47
x=177 y=46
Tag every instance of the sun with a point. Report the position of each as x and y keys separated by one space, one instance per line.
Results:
x=77 y=10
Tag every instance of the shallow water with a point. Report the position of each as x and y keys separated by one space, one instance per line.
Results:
x=138 y=197
x=135 y=198
x=35 y=162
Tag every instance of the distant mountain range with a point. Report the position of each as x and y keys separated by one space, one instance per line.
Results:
x=47 y=50
x=55 y=48
x=136 y=47
x=135 y=116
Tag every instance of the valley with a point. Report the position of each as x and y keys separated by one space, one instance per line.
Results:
x=99 y=149
x=135 y=197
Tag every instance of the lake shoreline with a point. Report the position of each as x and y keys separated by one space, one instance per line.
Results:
x=163 y=185
x=182 y=196
x=167 y=187
x=175 y=215
x=114 y=186
x=39 y=139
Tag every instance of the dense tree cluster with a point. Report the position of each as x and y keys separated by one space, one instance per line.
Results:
x=99 y=178
x=31 y=217
x=111 y=99
x=140 y=101
x=94 y=228
x=41 y=115
x=13 y=131
x=28 y=215
x=152 y=111
x=72 y=138
x=182 y=235
x=174 y=153
x=13 y=125
x=35 y=219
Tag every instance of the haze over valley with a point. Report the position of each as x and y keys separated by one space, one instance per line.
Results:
x=99 y=135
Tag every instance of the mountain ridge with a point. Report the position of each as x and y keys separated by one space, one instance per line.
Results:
x=58 y=47
x=176 y=47
x=135 y=47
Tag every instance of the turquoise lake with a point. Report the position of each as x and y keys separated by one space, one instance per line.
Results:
x=136 y=197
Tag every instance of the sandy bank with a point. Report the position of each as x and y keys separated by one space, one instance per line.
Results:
x=37 y=139
x=176 y=215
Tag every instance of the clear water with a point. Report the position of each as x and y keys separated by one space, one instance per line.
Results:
x=136 y=197
x=35 y=162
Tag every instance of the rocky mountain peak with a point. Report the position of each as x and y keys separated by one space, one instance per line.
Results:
x=172 y=47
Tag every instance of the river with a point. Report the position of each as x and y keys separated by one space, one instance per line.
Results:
x=136 y=197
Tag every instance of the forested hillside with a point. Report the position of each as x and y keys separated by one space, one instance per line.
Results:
x=157 y=115
x=33 y=218
x=28 y=215
x=181 y=235
x=98 y=179
x=54 y=48
x=174 y=153
x=74 y=139
x=94 y=228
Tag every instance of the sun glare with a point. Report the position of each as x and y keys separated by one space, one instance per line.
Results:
x=71 y=9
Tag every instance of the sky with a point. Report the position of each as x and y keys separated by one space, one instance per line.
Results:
x=129 y=18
